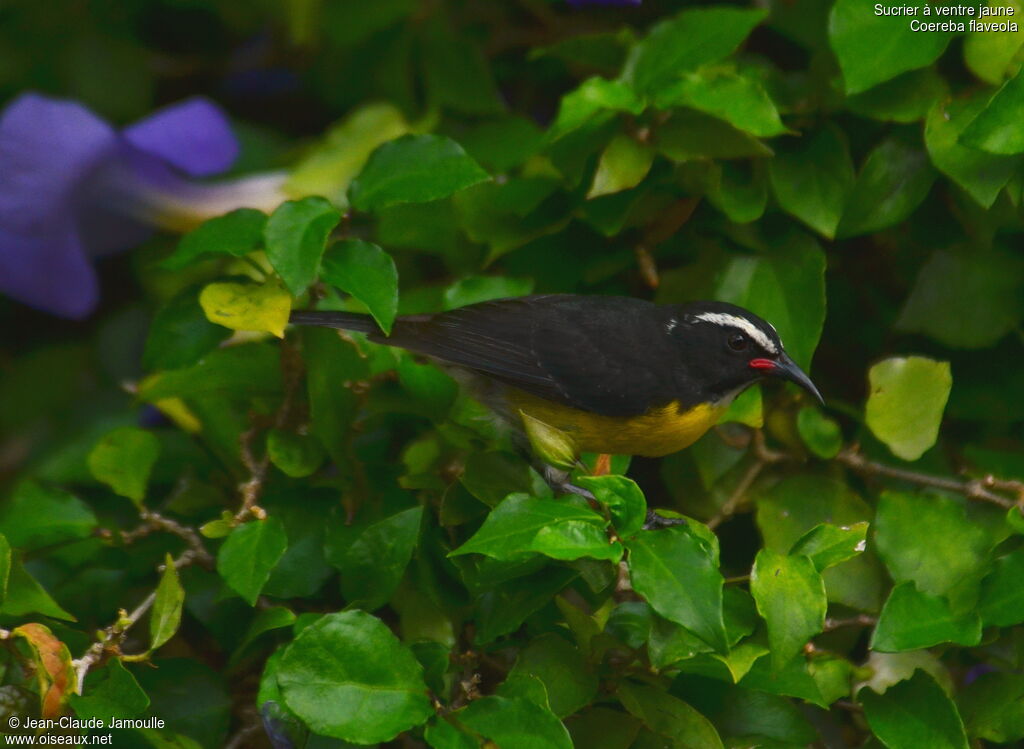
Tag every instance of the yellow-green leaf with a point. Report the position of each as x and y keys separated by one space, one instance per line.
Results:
x=241 y=306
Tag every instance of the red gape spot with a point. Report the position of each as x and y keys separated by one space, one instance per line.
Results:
x=762 y=364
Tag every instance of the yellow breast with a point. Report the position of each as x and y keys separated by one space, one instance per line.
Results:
x=660 y=431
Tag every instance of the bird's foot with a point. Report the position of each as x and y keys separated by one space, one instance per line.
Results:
x=558 y=480
x=656 y=522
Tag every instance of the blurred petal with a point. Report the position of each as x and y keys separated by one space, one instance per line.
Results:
x=194 y=136
x=48 y=270
x=47 y=146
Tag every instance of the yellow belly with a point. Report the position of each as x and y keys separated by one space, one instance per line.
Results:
x=658 y=432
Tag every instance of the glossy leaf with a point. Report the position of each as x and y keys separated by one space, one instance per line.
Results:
x=828 y=545
x=372 y=565
x=790 y=595
x=296 y=236
x=349 y=677
x=693 y=38
x=35 y=515
x=676 y=571
x=873 y=48
x=366 y=272
x=738 y=99
x=812 y=179
x=522 y=524
x=623 y=498
x=166 y=614
x=414 y=169
x=995 y=129
x=1001 y=602
x=912 y=620
x=669 y=716
x=110 y=693
x=515 y=722
x=235 y=234
x=914 y=713
x=906 y=401
x=250 y=553
x=820 y=433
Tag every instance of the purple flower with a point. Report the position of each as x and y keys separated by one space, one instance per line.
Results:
x=72 y=188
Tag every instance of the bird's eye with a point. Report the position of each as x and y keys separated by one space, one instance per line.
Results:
x=738 y=342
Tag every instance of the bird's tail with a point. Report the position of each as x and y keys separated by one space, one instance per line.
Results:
x=343 y=320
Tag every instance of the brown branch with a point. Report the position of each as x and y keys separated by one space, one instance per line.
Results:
x=154 y=521
x=763 y=457
x=115 y=634
x=979 y=489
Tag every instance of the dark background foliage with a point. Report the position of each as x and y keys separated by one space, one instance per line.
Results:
x=857 y=579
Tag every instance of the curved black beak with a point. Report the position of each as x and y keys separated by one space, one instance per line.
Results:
x=786 y=369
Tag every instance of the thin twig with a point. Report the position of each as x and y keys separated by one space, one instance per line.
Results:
x=154 y=521
x=763 y=457
x=115 y=634
x=861 y=620
x=979 y=489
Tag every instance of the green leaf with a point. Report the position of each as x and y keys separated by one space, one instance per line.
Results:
x=503 y=609
x=180 y=334
x=123 y=460
x=690 y=135
x=623 y=498
x=681 y=44
x=812 y=179
x=593 y=96
x=990 y=54
x=441 y=734
x=570 y=682
x=1001 y=602
x=35 y=516
x=981 y=174
x=414 y=169
x=522 y=524
x=365 y=271
x=297 y=455
x=669 y=716
x=475 y=289
x=905 y=403
x=26 y=596
x=996 y=128
x=966 y=298
x=347 y=676
x=330 y=168
x=737 y=98
x=928 y=539
x=893 y=181
x=676 y=571
x=905 y=98
x=873 y=48
x=238 y=371
x=790 y=595
x=267 y=620
x=828 y=545
x=250 y=553
x=111 y=692
x=373 y=564
x=912 y=620
x=820 y=433
x=515 y=722
x=247 y=306
x=785 y=287
x=166 y=614
x=623 y=164
x=797 y=504
x=738 y=190
x=235 y=234
x=457 y=75
x=330 y=361
x=296 y=235
x=491 y=476
x=914 y=714
x=993 y=707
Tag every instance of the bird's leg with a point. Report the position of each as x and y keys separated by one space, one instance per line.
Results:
x=558 y=480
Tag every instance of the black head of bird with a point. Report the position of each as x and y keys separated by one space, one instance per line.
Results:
x=616 y=375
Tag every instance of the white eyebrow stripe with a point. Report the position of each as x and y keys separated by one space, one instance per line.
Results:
x=726 y=320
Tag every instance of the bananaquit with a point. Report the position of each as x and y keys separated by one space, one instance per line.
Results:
x=616 y=375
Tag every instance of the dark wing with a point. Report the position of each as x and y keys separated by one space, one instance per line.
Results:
x=599 y=354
